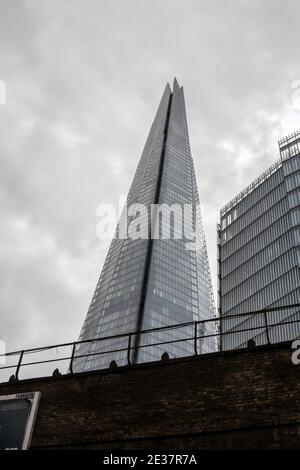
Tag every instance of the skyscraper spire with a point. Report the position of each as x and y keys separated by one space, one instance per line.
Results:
x=156 y=280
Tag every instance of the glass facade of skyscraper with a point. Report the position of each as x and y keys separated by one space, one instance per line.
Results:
x=259 y=253
x=153 y=282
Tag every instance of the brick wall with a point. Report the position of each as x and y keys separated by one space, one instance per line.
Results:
x=240 y=399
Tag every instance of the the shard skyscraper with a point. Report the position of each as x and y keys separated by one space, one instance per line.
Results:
x=154 y=281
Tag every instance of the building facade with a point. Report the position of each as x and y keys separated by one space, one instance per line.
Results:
x=259 y=253
x=154 y=281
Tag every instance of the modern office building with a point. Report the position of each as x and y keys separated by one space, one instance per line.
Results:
x=154 y=281
x=259 y=253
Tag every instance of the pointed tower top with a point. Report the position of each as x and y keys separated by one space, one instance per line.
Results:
x=175 y=83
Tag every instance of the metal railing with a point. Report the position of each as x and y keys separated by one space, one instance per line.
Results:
x=290 y=138
x=251 y=187
x=197 y=333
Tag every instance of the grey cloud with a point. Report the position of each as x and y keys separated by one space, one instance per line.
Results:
x=84 y=79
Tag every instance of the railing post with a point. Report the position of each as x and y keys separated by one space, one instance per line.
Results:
x=72 y=358
x=266 y=325
x=129 y=349
x=19 y=365
x=195 y=338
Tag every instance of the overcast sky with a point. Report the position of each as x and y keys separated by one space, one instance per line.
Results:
x=83 y=82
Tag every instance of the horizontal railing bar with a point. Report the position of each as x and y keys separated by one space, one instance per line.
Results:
x=67 y=358
x=190 y=338
x=163 y=328
x=99 y=353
